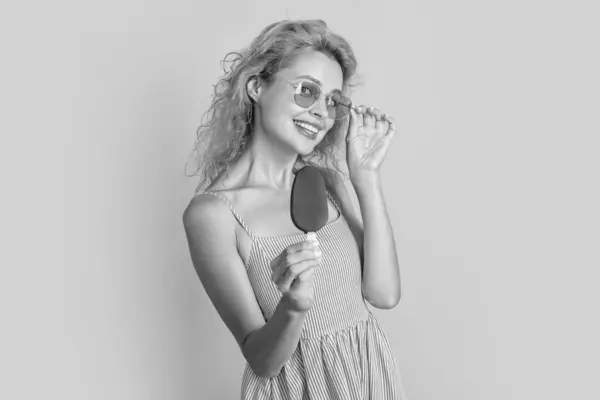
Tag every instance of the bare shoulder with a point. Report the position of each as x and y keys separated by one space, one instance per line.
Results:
x=210 y=230
x=208 y=213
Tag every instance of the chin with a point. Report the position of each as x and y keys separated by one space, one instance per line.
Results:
x=305 y=153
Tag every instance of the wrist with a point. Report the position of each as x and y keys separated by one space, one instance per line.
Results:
x=366 y=182
x=287 y=307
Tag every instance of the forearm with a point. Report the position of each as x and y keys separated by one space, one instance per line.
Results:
x=381 y=275
x=270 y=347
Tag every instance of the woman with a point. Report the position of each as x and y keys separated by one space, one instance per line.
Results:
x=297 y=307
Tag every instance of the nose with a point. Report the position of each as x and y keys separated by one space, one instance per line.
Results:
x=320 y=108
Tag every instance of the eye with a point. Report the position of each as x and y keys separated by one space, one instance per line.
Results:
x=307 y=89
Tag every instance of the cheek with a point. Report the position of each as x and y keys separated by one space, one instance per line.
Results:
x=273 y=113
x=279 y=120
x=279 y=107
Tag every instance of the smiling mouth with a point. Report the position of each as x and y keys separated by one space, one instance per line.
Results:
x=305 y=131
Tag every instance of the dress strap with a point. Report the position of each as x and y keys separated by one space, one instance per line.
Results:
x=243 y=223
x=233 y=211
x=334 y=202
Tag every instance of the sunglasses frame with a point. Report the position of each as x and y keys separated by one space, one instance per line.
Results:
x=297 y=84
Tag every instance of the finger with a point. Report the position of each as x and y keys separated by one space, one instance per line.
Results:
x=354 y=125
x=277 y=260
x=307 y=275
x=289 y=258
x=362 y=114
x=391 y=126
x=278 y=266
x=361 y=109
x=300 y=246
x=381 y=124
x=300 y=256
x=360 y=119
x=294 y=273
x=369 y=120
x=376 y=114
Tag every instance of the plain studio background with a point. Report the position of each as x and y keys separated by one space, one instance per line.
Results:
x=491 y=185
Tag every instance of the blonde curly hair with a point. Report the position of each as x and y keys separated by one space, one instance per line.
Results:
x=227 y=126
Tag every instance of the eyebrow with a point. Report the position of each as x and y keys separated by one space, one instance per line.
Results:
x=318 y=82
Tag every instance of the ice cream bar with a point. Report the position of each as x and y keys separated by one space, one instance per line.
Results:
x=309 y=201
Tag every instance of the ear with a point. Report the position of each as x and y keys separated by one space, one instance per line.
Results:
x=254 y=88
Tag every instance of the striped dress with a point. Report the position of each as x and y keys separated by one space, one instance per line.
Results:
x=343 y=353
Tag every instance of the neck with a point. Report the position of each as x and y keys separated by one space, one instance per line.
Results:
x=267 y=164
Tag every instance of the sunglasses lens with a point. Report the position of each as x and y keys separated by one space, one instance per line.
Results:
x=306 y=94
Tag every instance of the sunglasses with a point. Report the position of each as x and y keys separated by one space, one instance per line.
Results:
x=307 y=93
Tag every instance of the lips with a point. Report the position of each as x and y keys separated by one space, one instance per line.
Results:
x=318 y=127
x=306 y=133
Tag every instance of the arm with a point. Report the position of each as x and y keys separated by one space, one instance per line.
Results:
x=381 y=273
x=210 y=231
x=365 y=210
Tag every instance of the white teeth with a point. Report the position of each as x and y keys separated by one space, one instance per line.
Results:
x=308 y=127
x=307 y=133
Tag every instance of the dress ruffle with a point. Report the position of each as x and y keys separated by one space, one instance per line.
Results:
x=355 y=363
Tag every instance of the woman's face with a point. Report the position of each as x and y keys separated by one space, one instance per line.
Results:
x=279 y=115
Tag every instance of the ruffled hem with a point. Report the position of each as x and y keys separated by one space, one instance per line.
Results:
x=355 y=363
